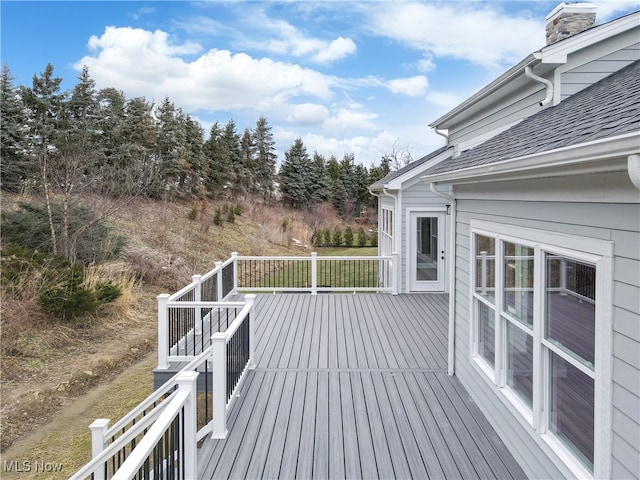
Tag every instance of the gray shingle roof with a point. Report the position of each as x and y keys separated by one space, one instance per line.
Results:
x=413 y=165
x=605 y=109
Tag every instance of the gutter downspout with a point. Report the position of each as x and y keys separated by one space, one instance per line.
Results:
x=633 y=169
x=442 y=134
x=452 y=276
x=396 y=236
x=547 y=83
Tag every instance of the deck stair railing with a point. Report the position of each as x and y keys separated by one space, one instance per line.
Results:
x=158 y=438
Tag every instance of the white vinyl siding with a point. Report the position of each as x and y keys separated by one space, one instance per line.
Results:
x=415 y=196
x=580 y=77
x=618 y=223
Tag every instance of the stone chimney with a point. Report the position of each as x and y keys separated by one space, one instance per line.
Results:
x=567 y=19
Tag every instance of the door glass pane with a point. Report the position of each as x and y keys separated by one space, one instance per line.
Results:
x=427 y=249
x=572 y=408
x=486 y=332
x=518 y=282
x=485 y=267
x=570 y=306
x=520 y=363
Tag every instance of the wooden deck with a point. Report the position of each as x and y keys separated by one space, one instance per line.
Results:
x=354 y=386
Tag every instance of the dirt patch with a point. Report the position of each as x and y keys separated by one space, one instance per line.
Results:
x=64 y=444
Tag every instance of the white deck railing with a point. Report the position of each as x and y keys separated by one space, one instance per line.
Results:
x=158 y=438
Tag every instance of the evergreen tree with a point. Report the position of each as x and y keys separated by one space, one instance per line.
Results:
x=139 y=157
x=318 y=181
x=294 y=173
x=171 y=143
x=231 y=143
x=44 y=103
x=245 y=174
x=15 y=168
x=192 y=167
x=218 y=173
x=265 y=161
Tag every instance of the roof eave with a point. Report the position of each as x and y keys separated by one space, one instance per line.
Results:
x=536 y=164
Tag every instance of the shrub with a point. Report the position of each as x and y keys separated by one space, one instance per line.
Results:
x=362 y=237
x=348 y=237
x=337 y=237
x=28 y=226
x=231 y=216
x=326 y=237
x=193 y=213
x=217 y=217
x=58 y=286
x=238 y=209
x=373 y=238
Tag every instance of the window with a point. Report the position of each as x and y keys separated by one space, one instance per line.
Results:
x=386 y=232
x=537 y=320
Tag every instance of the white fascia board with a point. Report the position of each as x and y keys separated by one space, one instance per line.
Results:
x=397 y=183
x=531 y=166
x=557 y=53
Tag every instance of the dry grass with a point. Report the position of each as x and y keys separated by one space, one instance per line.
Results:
x=47 y=365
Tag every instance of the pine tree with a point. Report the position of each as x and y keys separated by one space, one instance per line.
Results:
x=231 y=143
x=171 y=143
x=218 y=173
x=44 y=103
x=192 y=167
x=294 y=174
x=319 y=183
x=15 y=167
x=245 y=174
x=265 y=161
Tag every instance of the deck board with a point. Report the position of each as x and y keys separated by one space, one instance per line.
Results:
x=354 y=386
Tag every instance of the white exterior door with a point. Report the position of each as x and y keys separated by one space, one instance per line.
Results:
x=426 y=251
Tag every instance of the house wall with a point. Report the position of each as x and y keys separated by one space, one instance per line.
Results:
x=500 y=116
x=593 y=70
x=611 y=214
x=416 y=196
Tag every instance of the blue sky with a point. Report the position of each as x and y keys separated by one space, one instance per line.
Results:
x=347 y=77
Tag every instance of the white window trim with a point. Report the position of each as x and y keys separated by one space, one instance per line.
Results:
x=592 y=250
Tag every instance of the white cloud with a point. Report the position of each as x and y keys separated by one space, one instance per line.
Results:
x=465 y=30
x=291 y=41
x=347 y=119
x=609 y=9
x=143 y=63
x=308 y=114
x=444 y=99
x=336 y=50
x=412 y=87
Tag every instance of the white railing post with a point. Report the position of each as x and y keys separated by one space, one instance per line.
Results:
x=197 y=297
x=563 y=276
x=483 y=273
x=314 y=273
x=234 y=255
x=98 y=429
x=250 y=299
x=188 y=381
x=395 y=273
x=163 y=331
x=219 y=385
x=219 y=282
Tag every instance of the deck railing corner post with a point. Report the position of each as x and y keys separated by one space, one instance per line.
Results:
x=314 y=273
x=98 y=429
x=250 y=299
x=219 y=385
x=188 y=381
x=163 y=331
x=219 y=284
x=197 y=297
x=395 y=273
x=234 y=256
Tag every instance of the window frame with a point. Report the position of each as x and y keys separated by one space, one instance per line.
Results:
x=593 y=251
